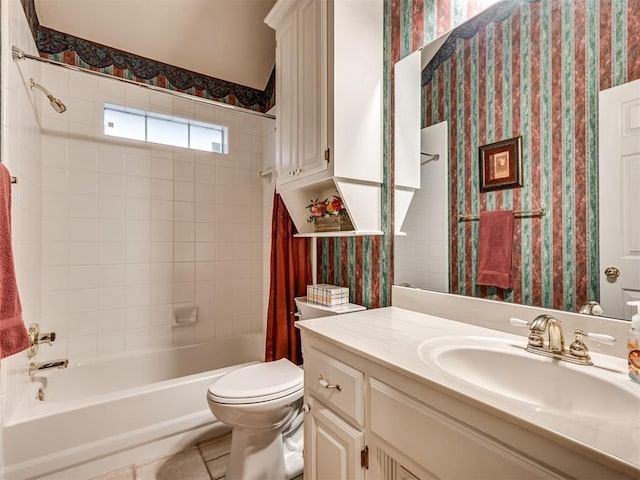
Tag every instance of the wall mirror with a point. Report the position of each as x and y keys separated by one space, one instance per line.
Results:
x=533 y=69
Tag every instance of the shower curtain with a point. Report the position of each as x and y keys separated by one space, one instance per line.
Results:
x=290 y=275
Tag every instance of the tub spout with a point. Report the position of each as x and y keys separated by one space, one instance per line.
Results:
x=39 y=366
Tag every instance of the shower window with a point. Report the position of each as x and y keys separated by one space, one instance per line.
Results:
x=134 y=124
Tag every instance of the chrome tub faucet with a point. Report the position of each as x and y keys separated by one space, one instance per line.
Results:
x=548 y=326
x=39 y=366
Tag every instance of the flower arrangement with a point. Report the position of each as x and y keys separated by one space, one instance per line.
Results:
x=325 y=208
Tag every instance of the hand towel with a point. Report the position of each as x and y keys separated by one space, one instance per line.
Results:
x=13 y=334
x=494 y=248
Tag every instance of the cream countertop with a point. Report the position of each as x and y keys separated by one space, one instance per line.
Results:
x=391 y=336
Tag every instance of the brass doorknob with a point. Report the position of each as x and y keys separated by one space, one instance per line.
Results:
x=612 y=273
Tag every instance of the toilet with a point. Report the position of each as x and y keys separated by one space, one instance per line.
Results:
x=263 y=405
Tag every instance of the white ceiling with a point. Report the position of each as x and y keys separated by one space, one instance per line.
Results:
x=226 y=39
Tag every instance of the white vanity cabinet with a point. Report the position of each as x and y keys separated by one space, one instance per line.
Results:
x=334 y=426
x=371 y=420
x=329 y=77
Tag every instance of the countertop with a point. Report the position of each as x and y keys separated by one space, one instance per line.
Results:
x=391 y=336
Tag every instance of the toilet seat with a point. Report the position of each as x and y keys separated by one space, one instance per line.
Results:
x=257 y=383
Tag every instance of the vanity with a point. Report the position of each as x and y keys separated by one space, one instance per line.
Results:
x=393 y=393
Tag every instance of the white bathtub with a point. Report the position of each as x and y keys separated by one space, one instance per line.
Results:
x=100 y=416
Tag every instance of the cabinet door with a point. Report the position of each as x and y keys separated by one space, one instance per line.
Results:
x=331 y=446
x=312 y=86
x=287 y=98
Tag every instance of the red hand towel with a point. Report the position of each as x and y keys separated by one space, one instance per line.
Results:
x=494 y=248
x=13 y=334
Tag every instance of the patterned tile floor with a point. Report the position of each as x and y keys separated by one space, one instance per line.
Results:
x=205 y=461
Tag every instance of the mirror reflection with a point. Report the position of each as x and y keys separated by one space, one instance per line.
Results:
x=533 y=69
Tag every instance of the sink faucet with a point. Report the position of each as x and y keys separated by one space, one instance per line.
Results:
x=547 y=324
x=554 y=344
x=39 y=366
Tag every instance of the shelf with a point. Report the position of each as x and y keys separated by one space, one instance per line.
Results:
x=347 y=233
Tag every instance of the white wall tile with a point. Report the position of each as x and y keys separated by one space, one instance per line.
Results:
x=111 y=207
x=183 y=171
x=82 y=182
x=112 y=230
x=111 y=342
x=110 y=184
x=131 y=230
x=83 y=205
x=54 y=154
x=54 y=179
x=54 y=204
x=83 y=300
x=83 y=276
x=55 y=277
x=161 y=167
x=111 y=161
x=111 y=275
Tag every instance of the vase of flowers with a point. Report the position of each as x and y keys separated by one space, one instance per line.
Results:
x=329 y=215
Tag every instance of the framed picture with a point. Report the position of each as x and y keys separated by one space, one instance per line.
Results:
x=501 y=165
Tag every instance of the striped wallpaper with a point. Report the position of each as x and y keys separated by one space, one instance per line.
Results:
x=536 y=74
x=365 y=264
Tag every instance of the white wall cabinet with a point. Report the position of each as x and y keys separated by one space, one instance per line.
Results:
x=301 y=92
x=378 y=423
x=329 y=77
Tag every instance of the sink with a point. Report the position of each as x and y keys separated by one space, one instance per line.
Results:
x=506 y=369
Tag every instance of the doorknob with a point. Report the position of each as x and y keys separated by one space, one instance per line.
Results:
x=612 y=273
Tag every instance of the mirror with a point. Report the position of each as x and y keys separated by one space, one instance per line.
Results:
x=532 y=69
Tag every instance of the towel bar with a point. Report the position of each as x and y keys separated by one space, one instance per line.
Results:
x=518 y=213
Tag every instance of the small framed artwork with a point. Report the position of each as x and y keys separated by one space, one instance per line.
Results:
x=501 y=165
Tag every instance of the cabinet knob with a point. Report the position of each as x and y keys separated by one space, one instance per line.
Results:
x=324 y=384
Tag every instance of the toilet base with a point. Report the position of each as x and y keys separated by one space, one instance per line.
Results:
x=293 y=458
x=265 y=454
x=256 y=455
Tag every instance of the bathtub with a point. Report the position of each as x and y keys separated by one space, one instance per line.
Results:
x=98 y=416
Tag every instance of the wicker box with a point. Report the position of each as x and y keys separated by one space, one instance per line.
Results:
x=334 y=223
x=327 y=295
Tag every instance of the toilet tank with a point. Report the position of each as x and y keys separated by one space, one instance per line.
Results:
x=308 y=310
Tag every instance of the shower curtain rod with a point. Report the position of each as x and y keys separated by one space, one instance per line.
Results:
x=19 y=54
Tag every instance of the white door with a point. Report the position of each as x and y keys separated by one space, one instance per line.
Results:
x=619 y=198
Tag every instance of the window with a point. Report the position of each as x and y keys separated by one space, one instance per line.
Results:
x=134 y=124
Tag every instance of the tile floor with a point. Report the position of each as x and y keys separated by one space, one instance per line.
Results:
x=205 y=461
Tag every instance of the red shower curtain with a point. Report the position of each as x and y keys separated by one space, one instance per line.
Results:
x=290 y=275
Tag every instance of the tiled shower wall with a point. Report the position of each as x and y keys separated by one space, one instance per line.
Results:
x=131 y=230
x=20 y=153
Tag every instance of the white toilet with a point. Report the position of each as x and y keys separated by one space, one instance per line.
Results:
x=263 y=405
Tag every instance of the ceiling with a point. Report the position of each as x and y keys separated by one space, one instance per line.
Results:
x=226 y=39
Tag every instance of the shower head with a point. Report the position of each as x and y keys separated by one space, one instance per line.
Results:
x=55 y=103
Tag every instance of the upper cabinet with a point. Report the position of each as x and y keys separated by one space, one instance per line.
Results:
x=329 y=77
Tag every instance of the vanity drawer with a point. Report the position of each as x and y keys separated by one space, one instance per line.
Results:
x=336 y=384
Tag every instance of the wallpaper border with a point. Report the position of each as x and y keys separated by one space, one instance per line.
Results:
x=71 y=50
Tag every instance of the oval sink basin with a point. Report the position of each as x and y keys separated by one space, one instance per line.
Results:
x=504 y=368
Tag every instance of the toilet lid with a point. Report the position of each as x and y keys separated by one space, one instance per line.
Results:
x=257 y=383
